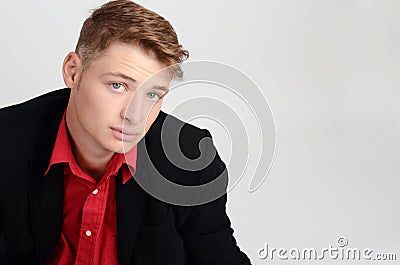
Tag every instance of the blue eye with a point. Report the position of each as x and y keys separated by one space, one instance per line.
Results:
x=116 y=85
x=152 y=95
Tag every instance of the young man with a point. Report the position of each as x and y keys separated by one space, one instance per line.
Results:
x=71 y=158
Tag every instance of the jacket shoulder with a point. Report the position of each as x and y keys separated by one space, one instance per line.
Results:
x=27 y=113
x=169 y=125
x=21 y=124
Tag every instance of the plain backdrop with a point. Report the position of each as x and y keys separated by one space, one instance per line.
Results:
x=330 y=72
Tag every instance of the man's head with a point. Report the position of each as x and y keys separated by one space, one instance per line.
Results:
x=121 y=45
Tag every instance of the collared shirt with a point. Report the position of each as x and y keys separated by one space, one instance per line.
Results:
x=89 y=231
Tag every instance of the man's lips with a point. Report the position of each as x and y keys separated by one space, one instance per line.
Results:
x=125 y=131
x=123 y=135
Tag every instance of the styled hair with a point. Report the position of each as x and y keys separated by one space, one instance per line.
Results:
x=125 y=22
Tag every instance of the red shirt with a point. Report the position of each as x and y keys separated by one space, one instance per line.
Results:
x=89 y=232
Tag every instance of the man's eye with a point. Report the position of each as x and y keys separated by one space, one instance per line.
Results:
x=116 y=85
x=153 y=95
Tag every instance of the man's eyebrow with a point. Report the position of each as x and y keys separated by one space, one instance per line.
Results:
x=118 y=74
x=165 y=89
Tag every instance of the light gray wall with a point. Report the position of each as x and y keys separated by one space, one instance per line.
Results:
x=330 y=71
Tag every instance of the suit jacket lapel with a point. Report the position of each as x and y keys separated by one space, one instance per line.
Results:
x=46 y=200
x=131 y=205
x=46 y=193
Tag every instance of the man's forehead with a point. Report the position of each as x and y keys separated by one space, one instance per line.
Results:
x=132 y=63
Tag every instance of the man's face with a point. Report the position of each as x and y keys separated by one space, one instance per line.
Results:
x=113 y=109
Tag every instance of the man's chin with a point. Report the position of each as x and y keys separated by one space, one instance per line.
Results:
x=127 y=147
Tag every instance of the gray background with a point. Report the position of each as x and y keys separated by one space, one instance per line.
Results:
x=329 y=70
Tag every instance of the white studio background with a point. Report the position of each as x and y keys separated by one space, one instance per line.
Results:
x=330 y=71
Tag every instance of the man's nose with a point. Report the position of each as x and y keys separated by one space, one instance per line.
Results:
x=134 y=109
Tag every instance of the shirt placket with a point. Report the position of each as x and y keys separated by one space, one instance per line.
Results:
x=92 y=218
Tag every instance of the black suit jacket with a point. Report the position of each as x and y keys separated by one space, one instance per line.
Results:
x=149 y=231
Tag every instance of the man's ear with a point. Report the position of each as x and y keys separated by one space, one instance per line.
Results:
x=72 y=70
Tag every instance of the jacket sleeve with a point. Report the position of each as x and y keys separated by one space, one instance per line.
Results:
x=207 y=231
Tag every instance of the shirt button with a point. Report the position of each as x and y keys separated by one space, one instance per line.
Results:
x=95 y=191
x=88 y=233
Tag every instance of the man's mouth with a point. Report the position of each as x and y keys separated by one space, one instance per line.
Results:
x=126 y=136
x=125 y=131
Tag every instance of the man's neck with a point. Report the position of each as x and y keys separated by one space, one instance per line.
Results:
x=95 y=166
x=92 y=162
